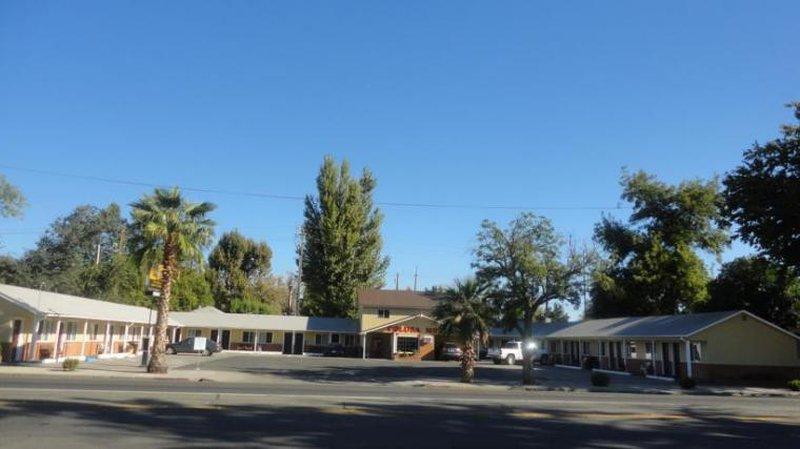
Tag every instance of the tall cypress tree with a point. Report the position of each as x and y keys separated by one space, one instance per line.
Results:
x=342 y=246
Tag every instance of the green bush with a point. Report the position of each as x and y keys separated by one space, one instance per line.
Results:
x=600 y=379
x=794 y=385
x=70 y=364
x=687 y=383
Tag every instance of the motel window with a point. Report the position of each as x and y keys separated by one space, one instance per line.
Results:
x=349 y=340
x=248 y=337
x=648 y=350
x=585 y=348
x=407 y=344
x=318 y=339
x=697 y=351
x=95 y=331
x=383 y=313
x=265 y=338
x=334 y=338
x=196 y=333
x=46 y=328
x=632 y=349
x=72 y=330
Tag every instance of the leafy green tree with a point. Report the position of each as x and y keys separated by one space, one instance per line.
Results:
x=191 y=290
x=465 y=314
x=342 y=246
x=653 y=266
x=757 y=285
x=762 y=196
x=528 y=265
x=166 y=231
x=116 y=280
x=11 y=271
x=71 y=244
x=555 y=314
x=238 y=265
x=12 y=202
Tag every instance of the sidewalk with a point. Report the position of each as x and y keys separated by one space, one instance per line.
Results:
x=191 y=369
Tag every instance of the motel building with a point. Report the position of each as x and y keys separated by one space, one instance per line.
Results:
x=735 y=345
x=39 y=326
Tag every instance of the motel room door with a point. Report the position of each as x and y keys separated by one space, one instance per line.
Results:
x=226 y=339
x=287 y=342
x=15 y=343
x=215 y=335
x=298 y=343
x=665 y=361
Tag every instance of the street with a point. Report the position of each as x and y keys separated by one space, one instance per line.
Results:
x=50 y=411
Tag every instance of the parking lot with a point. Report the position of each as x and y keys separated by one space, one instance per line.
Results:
x=279 y=368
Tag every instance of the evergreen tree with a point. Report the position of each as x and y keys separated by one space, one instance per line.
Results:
x=342 y=245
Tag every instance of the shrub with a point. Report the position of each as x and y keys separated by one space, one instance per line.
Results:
x=687 y=383
x=70 y=364
x=794 y=385
x=600 y=379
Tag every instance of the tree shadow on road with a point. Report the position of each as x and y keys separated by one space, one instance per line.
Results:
x=347 y=425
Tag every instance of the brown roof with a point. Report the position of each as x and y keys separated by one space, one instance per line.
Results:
x=395 y=298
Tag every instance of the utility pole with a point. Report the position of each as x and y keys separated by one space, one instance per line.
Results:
x=97 y=256
x=397 y=281
x=295 y=306
x=415 y=278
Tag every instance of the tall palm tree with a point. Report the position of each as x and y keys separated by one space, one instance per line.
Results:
x=465 y=315
x=168 y=230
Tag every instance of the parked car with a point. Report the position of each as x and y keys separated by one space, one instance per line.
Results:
x=334 y=350
x=450 y=351
x=511 y=353
x=187 y=346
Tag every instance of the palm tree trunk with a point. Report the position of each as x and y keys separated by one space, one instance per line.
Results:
x=468 y=363
x=158 y=362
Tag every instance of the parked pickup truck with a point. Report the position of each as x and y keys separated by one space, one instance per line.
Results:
x=511 y=353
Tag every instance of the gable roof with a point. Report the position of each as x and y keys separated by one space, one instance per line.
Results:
x=212 y=317
x=406 y=299
x=57 y=304
x=646 y=326
x=539 y=330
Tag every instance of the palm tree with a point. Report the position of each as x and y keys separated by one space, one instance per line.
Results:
x=168 y=230
x=465 y=315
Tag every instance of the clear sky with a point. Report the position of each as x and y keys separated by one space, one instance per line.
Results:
x=528 y=103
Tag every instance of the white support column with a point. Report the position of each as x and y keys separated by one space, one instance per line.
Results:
x=394 y=343
x=255 y=341
x=57 y=347
x=364 y=346
x=37 y=323
x=125 y=338
x=83 y=340
x=624 y=355
x=107 y=339
x=172 y=338
x=688 y=350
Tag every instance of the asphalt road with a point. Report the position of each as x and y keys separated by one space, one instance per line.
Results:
x=58 y=412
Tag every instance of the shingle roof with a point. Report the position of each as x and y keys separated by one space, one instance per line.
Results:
x=395 y=298
x=211 y=317
x=539 y=330
x=647 y=326
x=58 y=304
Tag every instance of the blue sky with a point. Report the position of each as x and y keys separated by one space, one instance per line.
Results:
x=535 y=104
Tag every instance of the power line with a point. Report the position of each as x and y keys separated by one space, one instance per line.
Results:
x=302 y=198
